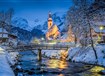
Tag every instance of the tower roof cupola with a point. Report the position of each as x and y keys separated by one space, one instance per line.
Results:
x=49 y=16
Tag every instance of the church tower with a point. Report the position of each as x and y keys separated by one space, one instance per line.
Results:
x=50 y=22
x=53 y=31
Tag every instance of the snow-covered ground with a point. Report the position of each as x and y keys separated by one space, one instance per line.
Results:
x=87 y=55
x=53 y=53
x=12 y=57
x=4 y=65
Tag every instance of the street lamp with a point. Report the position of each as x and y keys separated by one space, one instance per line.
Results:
x=42 y=38
x=101 y=27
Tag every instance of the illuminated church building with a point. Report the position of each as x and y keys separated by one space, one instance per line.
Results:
x=53 y=31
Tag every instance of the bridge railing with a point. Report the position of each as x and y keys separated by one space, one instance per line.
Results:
x=44 y=46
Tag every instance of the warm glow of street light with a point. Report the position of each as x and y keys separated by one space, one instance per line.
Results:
x=101 y=27
x=42 y=38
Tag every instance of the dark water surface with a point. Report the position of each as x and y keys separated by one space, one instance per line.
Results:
x=53 y=67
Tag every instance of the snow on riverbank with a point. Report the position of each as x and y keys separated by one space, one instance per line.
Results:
x=79 y=54
x=53 y=53
x=4 y=65
x=12 y=57
x=87 y=55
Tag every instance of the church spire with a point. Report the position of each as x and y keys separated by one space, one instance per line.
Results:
x=49 y=14
x=50 y=22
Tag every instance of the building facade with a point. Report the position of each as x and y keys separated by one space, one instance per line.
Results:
x=53 y=31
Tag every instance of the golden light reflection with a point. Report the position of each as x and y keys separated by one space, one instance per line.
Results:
x=53 y=63
x=99 y=37
x=64 y=54
x=91 y=74
x=96 y=69
x=60 y=75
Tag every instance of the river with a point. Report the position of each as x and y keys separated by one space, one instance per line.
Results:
x=53 y=67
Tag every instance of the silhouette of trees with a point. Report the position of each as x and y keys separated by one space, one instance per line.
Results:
x=5 y=18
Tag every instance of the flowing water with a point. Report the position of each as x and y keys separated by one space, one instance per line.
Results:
x=53 y=67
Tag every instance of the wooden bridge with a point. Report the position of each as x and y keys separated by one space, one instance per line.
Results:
x=41 y=47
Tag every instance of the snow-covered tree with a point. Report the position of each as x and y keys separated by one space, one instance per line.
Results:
x=5 y=17
x=77 y=21
x=80 y=17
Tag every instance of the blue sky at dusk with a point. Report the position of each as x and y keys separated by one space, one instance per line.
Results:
x=32 y=9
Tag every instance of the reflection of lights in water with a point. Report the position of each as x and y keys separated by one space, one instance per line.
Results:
x=64 y=54
x=96 y=69
x=63 y=64
x=90 y=74
x=53 y=63
x=60 y=75
x=93 y=71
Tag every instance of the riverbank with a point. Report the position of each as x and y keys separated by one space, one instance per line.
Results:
x=6 y=70
x=79 y=54
x=74 y=54
x=86 y=55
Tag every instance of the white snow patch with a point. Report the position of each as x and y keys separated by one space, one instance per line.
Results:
x=87 y=55
x=4 y=65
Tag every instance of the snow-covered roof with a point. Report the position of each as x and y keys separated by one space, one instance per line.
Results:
x=4 y=35
x=12 y=35
x=4 y=30
x=52 y=27
x=49 y=18
x=102 y=23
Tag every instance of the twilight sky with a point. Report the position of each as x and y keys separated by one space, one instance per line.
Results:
x=32 y=9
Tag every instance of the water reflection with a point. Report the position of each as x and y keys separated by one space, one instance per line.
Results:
x=54 y=67
x=93 y=71
x=61 y=75
x=53 y=63
x=96 y=69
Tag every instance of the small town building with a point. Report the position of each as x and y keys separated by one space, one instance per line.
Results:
x=98 y=32
x=3 y=35
x=12 y=40
x=6 y=37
